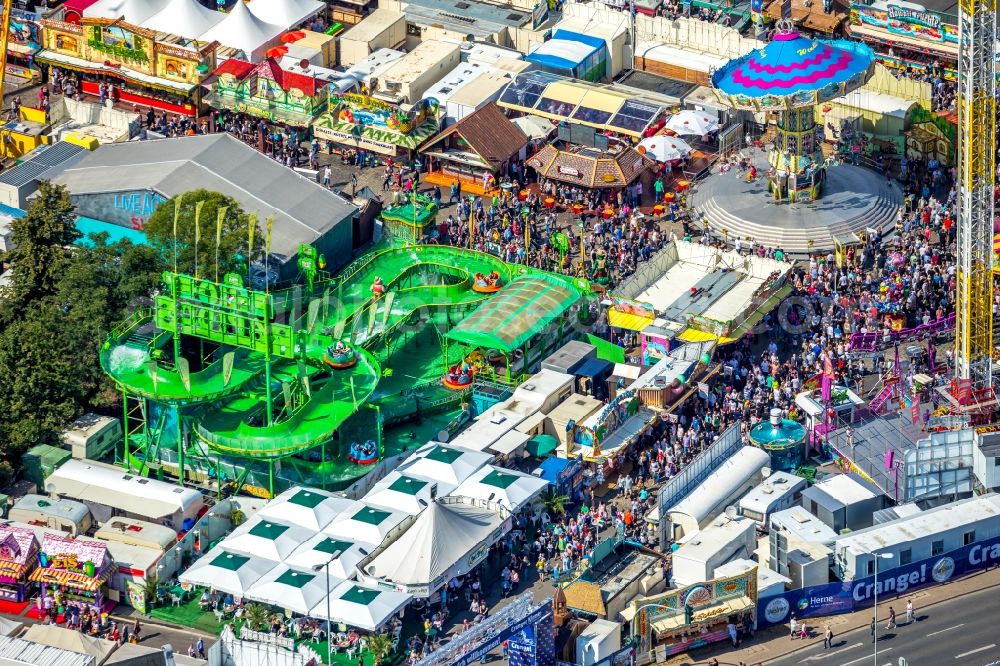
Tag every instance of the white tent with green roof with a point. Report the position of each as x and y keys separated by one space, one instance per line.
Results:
x=318 y=550
x=298 y=591
x=309 y=508
x=364 y=524
x=267 y=539
x=442 y=463
x=360 y=606
x=493 y=485
x=405 y=493
x=226 y=571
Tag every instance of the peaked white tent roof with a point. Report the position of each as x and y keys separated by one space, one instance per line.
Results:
x=67 y=639
x=364 y=524
x=9 y=627
x=241 y=30
x=310 y=508
x=232 y=573
x=184 y=18
x=267 y=539
x=402 y=492
x=505 y=487
x=318 y=550
x=360 y=606
x=134 y=11
x=298 y=591
x=287 y=13
x=444 y=464
x=445 y=540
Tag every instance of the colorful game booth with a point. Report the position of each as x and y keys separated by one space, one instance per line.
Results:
x=297 y=387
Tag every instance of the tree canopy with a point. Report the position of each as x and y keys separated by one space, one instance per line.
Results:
x=233 y=241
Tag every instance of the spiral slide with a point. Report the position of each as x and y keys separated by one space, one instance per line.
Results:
x=232 y=417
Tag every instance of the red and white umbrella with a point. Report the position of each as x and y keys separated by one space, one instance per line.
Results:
x=663 y=148
x=689 y=122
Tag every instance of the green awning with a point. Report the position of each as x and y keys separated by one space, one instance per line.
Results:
x=541 y=445
x=520 y=310
x=326 y=127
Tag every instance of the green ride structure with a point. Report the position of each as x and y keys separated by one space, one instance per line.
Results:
x=262 y=390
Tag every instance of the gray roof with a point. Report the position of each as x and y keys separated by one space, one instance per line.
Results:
x=21 y=651
x=38 y=162
x=303 y=210
x=474 y=18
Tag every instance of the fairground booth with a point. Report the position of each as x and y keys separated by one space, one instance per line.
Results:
x=23 y=43
x=693 y=616
x=18 y=558
x=73 y=572
x=363 y=122
x=475 y=151
x=906 y=34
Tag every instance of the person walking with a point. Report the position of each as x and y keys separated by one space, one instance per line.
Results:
x=873 y=629
x=733 y=636
x=909 y=611
x=828 y=638
x=793 y=625
x=891 y=624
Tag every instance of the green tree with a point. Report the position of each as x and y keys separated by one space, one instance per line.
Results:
x=42 y=247
x=379 y=645
x=256 y=616
x=233 y=248
x=555 y=502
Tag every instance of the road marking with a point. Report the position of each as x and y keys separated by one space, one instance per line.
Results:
x=985 y=647
x=824 y=655
x=866 y=657
x=935 y=633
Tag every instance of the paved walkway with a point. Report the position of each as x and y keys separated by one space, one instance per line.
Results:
x=774 y=642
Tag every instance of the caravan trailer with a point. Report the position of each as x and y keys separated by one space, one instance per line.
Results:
x=779 y=491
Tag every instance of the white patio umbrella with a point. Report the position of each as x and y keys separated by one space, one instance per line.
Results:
x=663 y=148
x=305 y=507
x=689 y=122
x=284 y=587
x=406 y=493
x=442 y=463
x=267 y=539
x=318 y=550
x=508 y=488
x=232 y=573
x=360 y=606
x=364 y=524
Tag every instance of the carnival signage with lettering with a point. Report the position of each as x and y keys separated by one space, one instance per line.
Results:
x=913 y=22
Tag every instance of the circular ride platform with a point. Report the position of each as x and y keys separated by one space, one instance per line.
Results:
x=854 y=198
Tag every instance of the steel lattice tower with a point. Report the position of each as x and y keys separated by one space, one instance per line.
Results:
x=976 y=167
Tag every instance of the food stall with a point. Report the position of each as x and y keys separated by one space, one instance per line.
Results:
x=73 y=572
x=18 y=557
x=363 y=122
x=907 y=35
x=693 y=616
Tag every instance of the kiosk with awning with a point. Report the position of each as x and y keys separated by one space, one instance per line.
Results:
x=363 y=122
x=74 y=572
x=905 y=34
x=18 y=557
x=578 y=102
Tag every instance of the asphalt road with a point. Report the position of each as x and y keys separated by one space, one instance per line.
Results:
x=957 y=632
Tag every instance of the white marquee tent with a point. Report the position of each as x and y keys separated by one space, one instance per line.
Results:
x=448 y=539
x=365 y=524
x=444 y=464
x=318 y=550
x=242 y=30
x=508 y=488
x=360 y=606
x=405 y=493
x=232 y=573
x=287 y=13
x=267 y=539
x=134 y=11
x=310 y=508
x=184 y=18
x=298 y=591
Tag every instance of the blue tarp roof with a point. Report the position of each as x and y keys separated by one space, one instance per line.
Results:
x=553 y=467
x=593 y=367
x=553 y=53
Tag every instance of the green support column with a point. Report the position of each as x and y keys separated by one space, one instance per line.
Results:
x=267 y=360
x=180 y=446
x=270 y=478
x=128 y=459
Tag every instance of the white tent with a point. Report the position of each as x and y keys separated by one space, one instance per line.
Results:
x=447 y=540
x=663 y=148
x=306 y=507
x=184 y=18
x=67 y=639
x=298 y=591
x=534 y=127
x=287 y=13
x=227 y=572
x=508 y=488
x=243 y=31
x=267 y=539
x=689 y=122
x=319 y=549
x=359 y=606
x=444 y=464
x=406 y=493
x=134 y=11
x=364 y=525
x=9 y=627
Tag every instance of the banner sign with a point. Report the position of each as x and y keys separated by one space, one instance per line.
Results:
x=850 y=596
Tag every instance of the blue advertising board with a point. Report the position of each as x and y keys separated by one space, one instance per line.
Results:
x=849 y=596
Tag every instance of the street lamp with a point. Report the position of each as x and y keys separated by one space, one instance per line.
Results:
x=329 y=634
x=878 y=556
